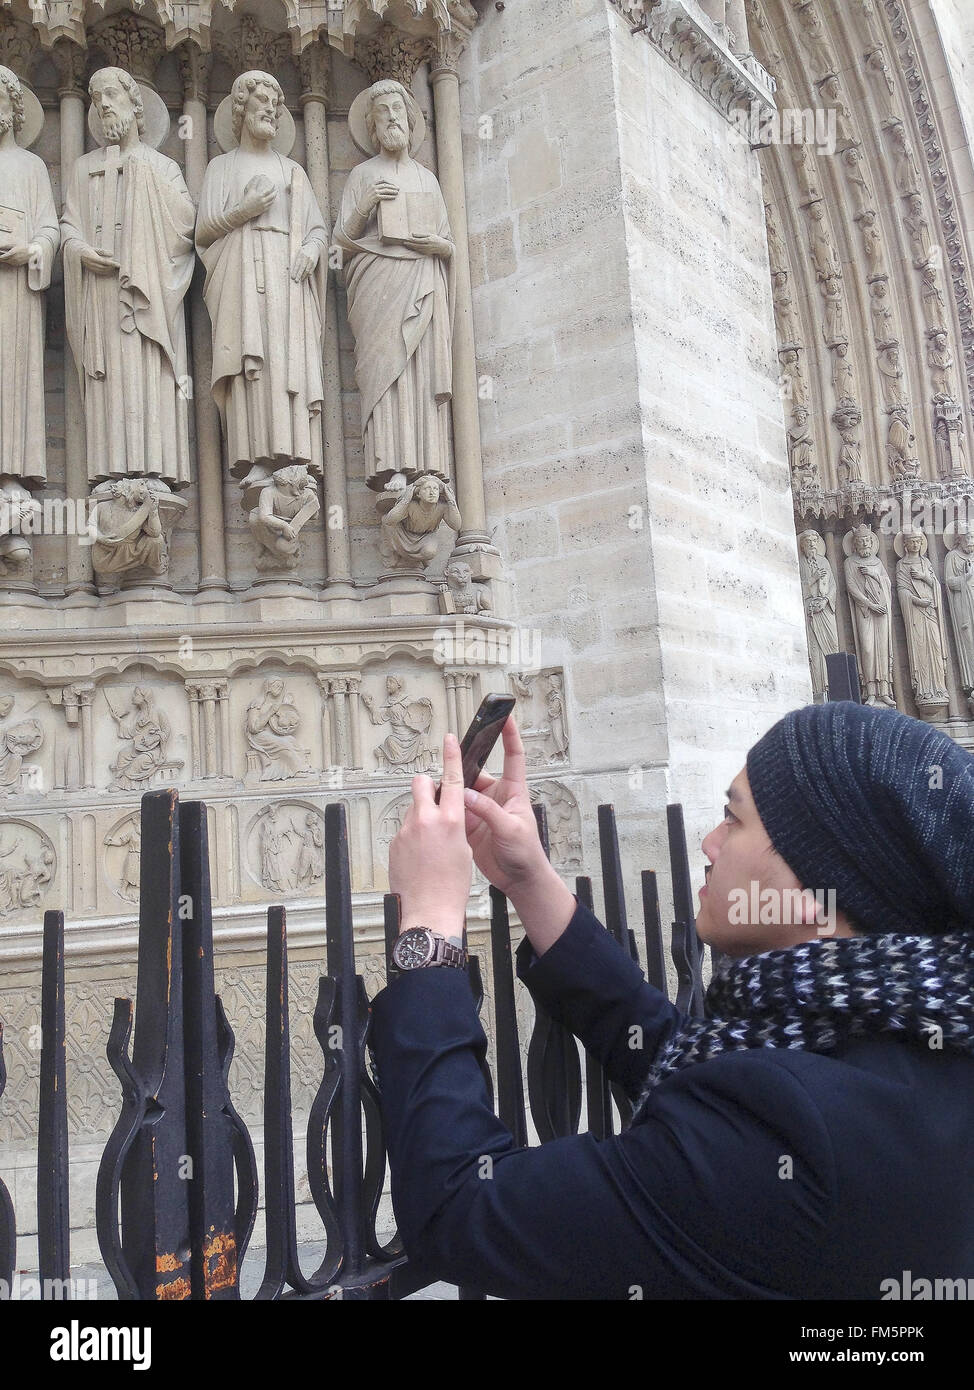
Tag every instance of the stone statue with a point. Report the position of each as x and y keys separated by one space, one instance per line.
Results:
x=126 y=528
x=555 y=708
x=951 y=448
x=870 y=598
x=128 y=838
x=934 y=308
x=408 y=537
x=872 y=243
x=406 y=748
x=818 y=591
x=815 y=40
x=941 y=363
x=311 y=854
x=397 y=247
x=891 y=375
x=29 y=239
x=850 y=459
x=35 y=875
x=791 y=381
x=127 y=235
x=260 y=235
x=273 y=721
x=803 y=468
x=147 y=735
x=878 y=67
x=843 y=376
x=805 y=171
x=919 y=229
x=776 y=245
x=286 y=503
x=852 y=159
x=833 y=326
x=906 y=173
x=824 y=255
x=466 y=596
x=273 y=840
x=921 y=604
x=880 y=312
x=959 y=578
x=785 y=315
x=831 y=90
x=18 y=518
x=901 y=446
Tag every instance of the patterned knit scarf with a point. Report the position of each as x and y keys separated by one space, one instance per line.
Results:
x=821 y=993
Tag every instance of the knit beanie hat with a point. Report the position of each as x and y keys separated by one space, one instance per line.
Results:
x=878 y=807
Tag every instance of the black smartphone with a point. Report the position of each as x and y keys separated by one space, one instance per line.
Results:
x=480 y=738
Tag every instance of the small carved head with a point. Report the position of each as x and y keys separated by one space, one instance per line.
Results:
x=912 y=542
x=118 y=101
x=459 y=571
x=294 y=477
x=259 y=97
x=865 y=541
x=810 y=543
x=11 y=100
x=393 y=685
x=391 y=115
x=428 y=488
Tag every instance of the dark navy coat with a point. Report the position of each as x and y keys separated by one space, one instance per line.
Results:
x=763 y=1174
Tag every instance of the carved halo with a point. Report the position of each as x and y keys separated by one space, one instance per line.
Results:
x=33 y=122
x=359 y=131
x=283 y=141
x=954 y=530
x=899 y=546
x=155 y=114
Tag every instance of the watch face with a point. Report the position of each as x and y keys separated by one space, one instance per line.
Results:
x=413 y=949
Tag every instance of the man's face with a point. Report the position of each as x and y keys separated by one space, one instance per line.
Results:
x=863 y=546
x=260 y=112
x=967 y=543
x=391 y=121
x=752 y=901
x=115 y=107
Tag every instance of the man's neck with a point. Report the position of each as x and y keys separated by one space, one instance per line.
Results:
x=249 y=144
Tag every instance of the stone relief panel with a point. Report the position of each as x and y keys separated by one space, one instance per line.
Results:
x=409 y=743
x=144 y=742
x=564 y=824
x=275 y=723
x=28 y=868
x=122 y=846
x=541 y=716
x=24 y=763
x=284 y=847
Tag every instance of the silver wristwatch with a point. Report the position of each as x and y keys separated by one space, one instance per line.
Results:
x=419 y=947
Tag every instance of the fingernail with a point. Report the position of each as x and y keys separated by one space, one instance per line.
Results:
x=469 y=794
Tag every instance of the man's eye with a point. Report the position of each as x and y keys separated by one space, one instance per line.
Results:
x=729 y=816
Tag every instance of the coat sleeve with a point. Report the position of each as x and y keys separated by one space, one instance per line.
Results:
x=689 y=1203
x=587 y=982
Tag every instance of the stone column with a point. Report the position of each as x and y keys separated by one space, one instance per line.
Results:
x=86 y=693
x=208 y=693
x=70 y=61
x=194 y=69
x=355 y=715
x=195 y=728
x=226 y=759
x=327 y=739
x=474 y=538
x=735 y=18
x=315 y=69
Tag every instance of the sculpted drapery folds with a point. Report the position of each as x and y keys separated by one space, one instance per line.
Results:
x=394 y=233
x=870 y=598
x=29 y=239
x=127 y=234
x=921 y=602
x=260 y=235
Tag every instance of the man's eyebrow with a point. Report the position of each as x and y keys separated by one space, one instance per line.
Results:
x=731 y=794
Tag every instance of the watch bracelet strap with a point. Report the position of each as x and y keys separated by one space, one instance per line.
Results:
x=448 y=954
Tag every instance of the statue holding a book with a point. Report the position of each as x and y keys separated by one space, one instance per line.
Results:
x=397 y=247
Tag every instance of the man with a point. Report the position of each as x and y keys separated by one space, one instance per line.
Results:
x=127 y=236
x=400 y=289
x=260 y=235
x=780 y=1148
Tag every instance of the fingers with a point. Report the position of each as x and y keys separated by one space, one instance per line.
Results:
x=515 y=766
x=451 y=794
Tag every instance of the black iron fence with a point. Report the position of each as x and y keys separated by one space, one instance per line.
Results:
x=177 y=1188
